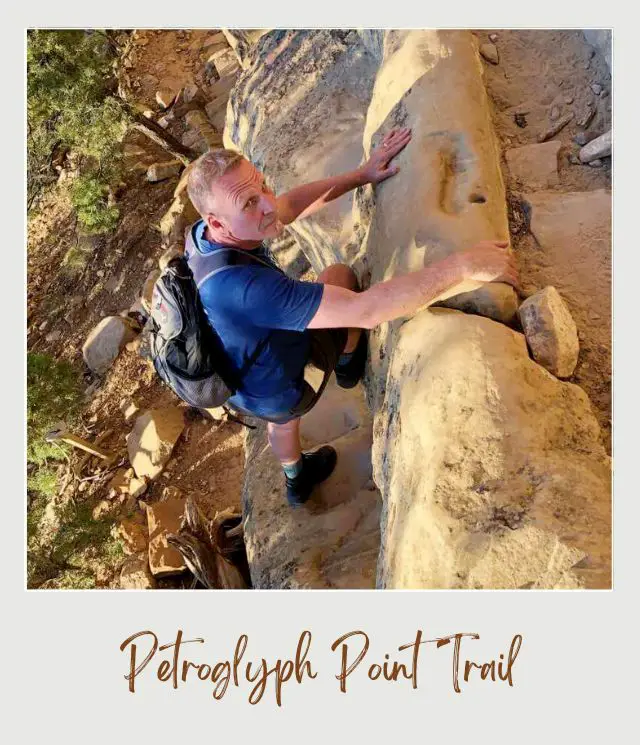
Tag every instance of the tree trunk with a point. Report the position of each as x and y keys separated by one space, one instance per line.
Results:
x=155 y=132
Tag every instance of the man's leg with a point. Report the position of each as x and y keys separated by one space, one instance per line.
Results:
x=342 y=275
x=285 y=441
x=302 y=471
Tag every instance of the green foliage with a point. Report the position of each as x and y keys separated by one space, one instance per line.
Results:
x=68 y=559
x=70 y=105
x=89 y=196
x=53 y=393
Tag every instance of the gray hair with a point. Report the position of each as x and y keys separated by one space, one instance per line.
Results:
x=205 y=171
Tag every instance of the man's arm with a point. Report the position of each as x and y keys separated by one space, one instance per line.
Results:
x=305 y=200
x=404 y=296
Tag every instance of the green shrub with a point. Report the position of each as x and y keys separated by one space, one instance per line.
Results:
x=70 y=104
x=89 y=196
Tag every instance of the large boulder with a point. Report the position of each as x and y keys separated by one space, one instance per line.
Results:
x=152 y=439
x=106 y=341
x=492 y=470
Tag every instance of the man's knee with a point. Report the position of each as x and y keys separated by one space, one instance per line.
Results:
x=340 y=275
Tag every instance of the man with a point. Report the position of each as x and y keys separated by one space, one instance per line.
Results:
x=271 y=325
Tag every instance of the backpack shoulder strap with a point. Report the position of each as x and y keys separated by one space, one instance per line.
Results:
x=205 y=266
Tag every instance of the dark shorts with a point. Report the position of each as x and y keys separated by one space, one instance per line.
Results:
x=326 y=347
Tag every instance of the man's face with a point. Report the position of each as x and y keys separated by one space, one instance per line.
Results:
x=244 y=207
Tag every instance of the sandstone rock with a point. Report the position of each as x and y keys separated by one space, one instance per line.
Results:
x=598 y=148
x=162 y=171
x=128 y=408
x=597 y=163
x=164 y=518
x=135 y=574
x=199 y=122
x=550 y=331
x=137 y=487
x=120 y=481
x=491 y=470
x=152 y=439
x=535 y=166
x=53 y=336
x=165 y=97
x=179 y=216
x=490 y=53
x=105 y=342
x=581 y=138
x=553 y=130
x=596 y=88
x=226 y=63
x=132 y=535
x=147 y=290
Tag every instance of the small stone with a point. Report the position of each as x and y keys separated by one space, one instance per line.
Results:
x=490 y=53
x=128 y=409
x=120 y=481
x=135 y=574
x=574 y=160
x=556 y=127
x=137 y=487
x=165 y=97
x=162 y=171
x=105 y=342
x=554 y=113
x=148 y=263
x=596 y=88
x=550 y=331
x=586 y=116
x=164 y=518
x=581 y=139
x=568 y=100
x=43 y=325
x=493 y=37
x=604 y=93
x=152 y=439
x=598 y=148
x=100 y=273
x=53 y=335
x=597 y=163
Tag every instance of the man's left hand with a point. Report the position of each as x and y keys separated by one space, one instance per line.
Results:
x=377 y=168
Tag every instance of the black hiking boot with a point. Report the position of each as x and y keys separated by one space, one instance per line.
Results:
x=349 y=373
x=316 y=467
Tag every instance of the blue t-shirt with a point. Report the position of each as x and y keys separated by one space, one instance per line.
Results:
x=245 y=304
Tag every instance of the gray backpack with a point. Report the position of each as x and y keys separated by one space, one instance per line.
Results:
x=186 y=352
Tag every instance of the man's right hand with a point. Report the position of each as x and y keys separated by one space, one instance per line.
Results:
x=490 y=261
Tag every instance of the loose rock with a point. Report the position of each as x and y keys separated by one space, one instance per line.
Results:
x=132 y=535
x=137 y=487
x=105 y=342
x=581 y=138
x=152 y=439
x=551 y=332
x=165 y=97
x=164 y=518
x=597 y=163
x=552 y=131
x=598 y=148
x=596 y=88
x=490 y=53
x=162 y=171
x=586 y=116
